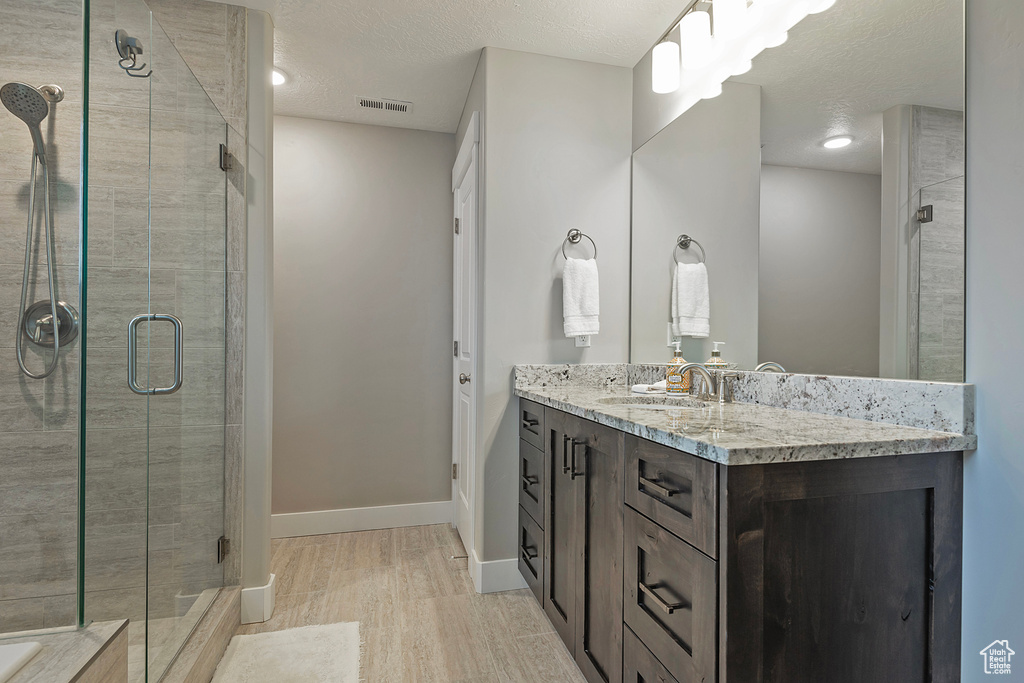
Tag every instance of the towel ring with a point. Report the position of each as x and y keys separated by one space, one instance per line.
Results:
x=575 y=236
x=683 y=242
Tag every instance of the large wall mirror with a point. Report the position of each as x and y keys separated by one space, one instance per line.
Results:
x=826 y=258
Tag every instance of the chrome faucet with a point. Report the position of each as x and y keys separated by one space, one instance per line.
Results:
x=769 y=365
x=715 y=385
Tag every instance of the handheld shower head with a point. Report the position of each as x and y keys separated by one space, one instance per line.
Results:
x=29 y=105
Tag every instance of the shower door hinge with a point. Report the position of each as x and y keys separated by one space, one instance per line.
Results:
x=223 y=548
x=924 y=214
x=227 y=162
x=456 y=349
x=456 y=226
x=455 y=471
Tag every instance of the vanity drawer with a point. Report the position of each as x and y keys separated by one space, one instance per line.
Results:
x=675 y=489
x=639 y=665
x=670 y=599
x=531 y=423
x=531 y=481
x=531 y=554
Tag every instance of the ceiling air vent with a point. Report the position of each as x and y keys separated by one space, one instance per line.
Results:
x=380 y=104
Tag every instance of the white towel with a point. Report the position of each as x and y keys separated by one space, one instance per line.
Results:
x=656 y=388
x=691 y=309
x=580 y=298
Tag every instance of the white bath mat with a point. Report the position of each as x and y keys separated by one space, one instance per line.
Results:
x=311 y=654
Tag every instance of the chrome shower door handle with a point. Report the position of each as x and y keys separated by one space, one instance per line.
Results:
x=133 y=383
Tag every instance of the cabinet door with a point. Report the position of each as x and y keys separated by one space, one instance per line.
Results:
x=596 y=466
x=559 y=528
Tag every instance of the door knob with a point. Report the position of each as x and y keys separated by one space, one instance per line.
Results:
x=463 y=378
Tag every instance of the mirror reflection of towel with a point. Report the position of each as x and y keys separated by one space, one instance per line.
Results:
x=580 y=297
x=691 y=303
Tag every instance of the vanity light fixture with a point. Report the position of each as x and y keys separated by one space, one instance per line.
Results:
x=837 y=142
x=741 y=32
x=278 y=77
x=695 y=42
x=665 y=67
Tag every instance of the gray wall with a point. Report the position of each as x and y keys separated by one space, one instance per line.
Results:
x=818 y=278
x=363 y=315
x=557 y=146
x=700 y=176
x=994 y=475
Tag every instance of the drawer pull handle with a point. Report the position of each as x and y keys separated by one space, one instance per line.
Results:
x=666 y=607
x=529 y=422
x=655 y=486
x=530 y=480
x=573 y=473
x=528 y=554
x=565 y=453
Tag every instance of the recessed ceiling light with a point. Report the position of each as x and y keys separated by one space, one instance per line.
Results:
x=278 y=77
x=837 y=142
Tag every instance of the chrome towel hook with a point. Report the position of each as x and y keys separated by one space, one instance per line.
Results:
x=574 y=237
x=129 y=49
x=683 y=242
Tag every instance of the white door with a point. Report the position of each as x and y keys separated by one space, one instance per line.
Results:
x=464 y=381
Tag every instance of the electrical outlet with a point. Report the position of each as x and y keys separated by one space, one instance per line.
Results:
x=672 y=339
x=582 y=341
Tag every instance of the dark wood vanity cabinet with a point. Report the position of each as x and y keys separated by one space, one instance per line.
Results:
x=661 y=566
x=583 y=541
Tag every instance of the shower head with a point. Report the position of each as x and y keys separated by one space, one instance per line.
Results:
x=29 y=105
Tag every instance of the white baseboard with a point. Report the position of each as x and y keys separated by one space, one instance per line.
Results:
x=258 y=602
x=495 y=576
x=359 y=519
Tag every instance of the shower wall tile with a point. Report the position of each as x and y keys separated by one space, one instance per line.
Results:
x=40 y=552
x=187 y=229
x=236 y=208
x=937 y=264
x=21 y=399
x=39 y=468
x=27 y=614
x=201 y=301
x=38 y=484
x=14 y=214
x=116 y=295
x=237 y=94
x=235 y=341
x=233 y=500
x=199 y=31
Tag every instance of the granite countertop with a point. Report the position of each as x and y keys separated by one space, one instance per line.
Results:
x=742 y=433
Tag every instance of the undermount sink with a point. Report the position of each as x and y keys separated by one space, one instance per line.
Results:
x=655 y=402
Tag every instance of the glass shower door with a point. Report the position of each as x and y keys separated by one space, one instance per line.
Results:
x=155 y=353
x=187 y=258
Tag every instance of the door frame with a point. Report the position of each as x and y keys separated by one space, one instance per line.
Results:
x=467 y=158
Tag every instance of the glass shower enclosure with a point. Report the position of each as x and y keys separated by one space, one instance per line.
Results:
x=112 y=465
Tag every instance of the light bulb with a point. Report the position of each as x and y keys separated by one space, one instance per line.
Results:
x=837 y=142
x=742 y=67
x=712 y=91
x=278 y=77
x=730 y=18
x=665 y=68
x=776 y=40
x=695 y=40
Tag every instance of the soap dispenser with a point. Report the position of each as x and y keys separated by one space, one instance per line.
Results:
x=716 y=362
x=677 y=382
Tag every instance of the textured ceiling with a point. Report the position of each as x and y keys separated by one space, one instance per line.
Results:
x=842 y=68
x=425 y=51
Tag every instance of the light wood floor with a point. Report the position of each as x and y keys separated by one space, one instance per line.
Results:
x=419 y=617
